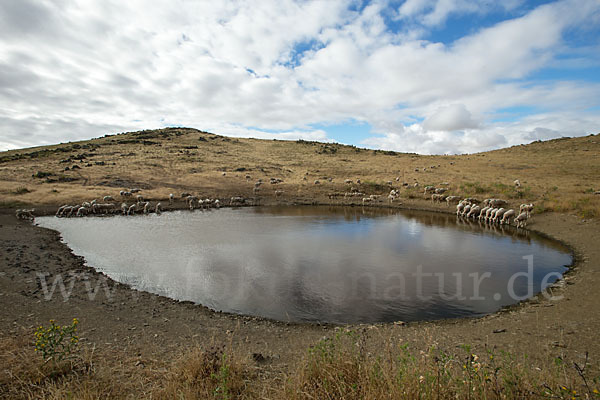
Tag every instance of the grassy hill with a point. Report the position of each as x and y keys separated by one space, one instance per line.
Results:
x=557 y=175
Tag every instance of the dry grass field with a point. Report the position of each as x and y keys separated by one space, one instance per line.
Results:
x=558 y=175
x=536 y=351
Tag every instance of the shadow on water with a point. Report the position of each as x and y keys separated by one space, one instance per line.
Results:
x=332 y=264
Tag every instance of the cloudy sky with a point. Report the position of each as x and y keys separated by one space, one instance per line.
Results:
x=426 y=76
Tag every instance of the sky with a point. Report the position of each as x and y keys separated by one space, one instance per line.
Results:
x=424 y=76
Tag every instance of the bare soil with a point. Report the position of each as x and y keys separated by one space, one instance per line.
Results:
x=155 y=327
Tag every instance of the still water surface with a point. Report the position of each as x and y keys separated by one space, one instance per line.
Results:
x=330 y=264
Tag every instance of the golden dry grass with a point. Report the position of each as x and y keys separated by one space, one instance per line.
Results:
x=347 y=365
x=558 y=175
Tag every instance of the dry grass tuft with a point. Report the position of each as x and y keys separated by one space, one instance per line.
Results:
x=207 y=373
x=345 y=366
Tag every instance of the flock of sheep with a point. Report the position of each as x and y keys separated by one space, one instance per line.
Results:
x=489 y=211
x=492 y=212
x=110 y=206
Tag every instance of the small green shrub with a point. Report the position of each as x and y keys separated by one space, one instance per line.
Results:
x=56 y=342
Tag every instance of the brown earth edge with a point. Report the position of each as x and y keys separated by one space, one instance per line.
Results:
x=150 y=327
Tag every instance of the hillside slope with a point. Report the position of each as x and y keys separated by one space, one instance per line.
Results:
x=560 y=175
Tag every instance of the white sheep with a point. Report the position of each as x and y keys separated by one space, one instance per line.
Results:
x=466 y=210
x=507 y=216
x=497 y=203
x=106 y=199
x=437 y=197
x=102 y=207
x=60 y=210
x=139 y=198
x=236 y=200
x=474 y=212
x=483 y=212
x=459 y=208
x=217 y=203
x=81 y=211
x=499 y=214
x=125 y=193
x=278 y=193
x=135 y=190
x=65 y=210
x=472 y=200
x=526 y=208
x=72 y=209
x=489 y=212
x=517 y=183
x=171 y=198
x=146 y=205
x=521 y=220
x=157 y=208
x=317 y=182
x=191 y=201
x=25 y=214
x=452 y=200
x=124 y=208
x=132 y=209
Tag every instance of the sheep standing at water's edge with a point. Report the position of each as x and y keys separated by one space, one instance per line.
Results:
x=132 y=209
x=521 y=220
x=507 y=216
x=26 y=214
x=526 y=208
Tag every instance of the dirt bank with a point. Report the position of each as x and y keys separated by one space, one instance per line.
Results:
x=150 y=326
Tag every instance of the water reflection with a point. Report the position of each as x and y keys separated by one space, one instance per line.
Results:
x=335 y=264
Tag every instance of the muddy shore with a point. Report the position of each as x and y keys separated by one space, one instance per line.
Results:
x=151 y=326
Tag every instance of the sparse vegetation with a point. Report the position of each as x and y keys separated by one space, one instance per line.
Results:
x=21 y=190
x=55 y=343
x=342 y=365
x=345 y=364
x=166 y=156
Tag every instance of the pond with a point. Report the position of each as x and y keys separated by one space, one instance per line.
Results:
x=327 y=264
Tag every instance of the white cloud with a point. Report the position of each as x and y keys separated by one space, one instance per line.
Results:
x=451 y=118
x=75 y=69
